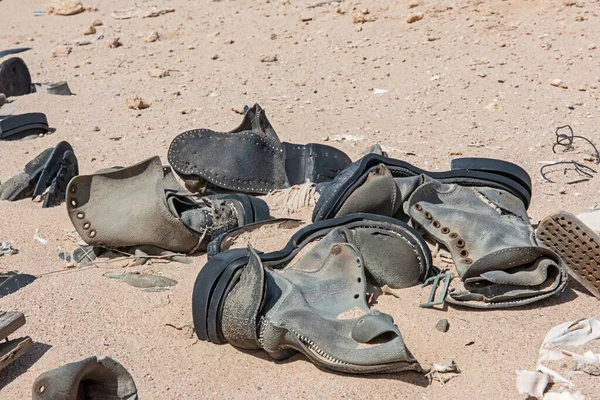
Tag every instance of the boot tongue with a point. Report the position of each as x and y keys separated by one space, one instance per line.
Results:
x=262 y=126
x=241 y=306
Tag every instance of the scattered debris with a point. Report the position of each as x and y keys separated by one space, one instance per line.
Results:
x=159 y=73
x=141 y=12
x=414 y=18
x=362 y=18
x=152 y=37
x=136 y=103
x=6 y=249
x=568 y=334
x=89 y=31
x=268 y=59
x=12 y=282
x=388 y=290
x=238 y=110
x=324 y=3
x=11 y=350
x=442 y=325
x=97 y=22
x=142 y=280
x=306 y=18
x=559 y=83
x=344 y=137
x=62 y=52
x=114 y=43
x=66 y=7
x=379 y=91
x=38 y=238
x=443 y=373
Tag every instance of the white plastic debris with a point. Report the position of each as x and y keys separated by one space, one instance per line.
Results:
x=443 y=372
x=379 y=91
x=38 y=238
x=344 y=137
x=568 y=334
x=6 y=249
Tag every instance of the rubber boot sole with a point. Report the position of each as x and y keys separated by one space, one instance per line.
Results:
x=246 y=162
x=15 y=79
x=576 y=244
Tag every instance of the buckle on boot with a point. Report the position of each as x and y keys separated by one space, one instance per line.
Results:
x=435 y=281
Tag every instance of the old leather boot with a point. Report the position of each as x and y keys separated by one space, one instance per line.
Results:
x=484 y=227
x=311 y=297
x=47 y=175
x=87 y=379
x=145 y=205
x=250 y=159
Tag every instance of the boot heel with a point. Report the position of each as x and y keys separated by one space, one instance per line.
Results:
x=576 y=244
x=313 y=162
x=504 y=168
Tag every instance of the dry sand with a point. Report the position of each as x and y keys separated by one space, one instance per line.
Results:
x=470 y=78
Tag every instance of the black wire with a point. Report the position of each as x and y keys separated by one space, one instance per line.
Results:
x=567 y=141
x=580 y=168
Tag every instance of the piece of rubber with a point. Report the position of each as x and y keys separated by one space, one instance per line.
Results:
x=13 y=283
x=576 y=244
x=8 y=52
x=15 y=79
x=336 y=193
x=23 y=125
x=501 y=167
x=248 y=162
x=215 y=278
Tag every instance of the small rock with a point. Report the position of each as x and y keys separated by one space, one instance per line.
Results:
x=361 y=19
x=306 y=18
x=159 y=73
x=432 y=38
x=556 y=82
x=67 y=7
x=152 y=37
x=95 y=129
x=114 y=43
x=90 y=31
x=97 y=22
x=413 y=4
x=364 y=11
x=414 y=18
x=268 y=59
x=592 y=47
x=229 y=41
x=442 y=325
x=238 y=111
x=62 y=52
x=493 y=106
x=186 y=111
x=215 y=57
x=136 y=103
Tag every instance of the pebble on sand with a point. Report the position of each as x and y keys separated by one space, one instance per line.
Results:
x=559 y=83
x=66 y=7
x=414 y=18
x=90 y=31
x=152 y=37
x=268 y=59
x=136 y=103
x=97 y=22
x=114 y=43
x=442 y=325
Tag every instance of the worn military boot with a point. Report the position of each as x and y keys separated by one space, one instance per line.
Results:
x=478 y=216
x=47 y=175
x=145 y=205
x=310 y=297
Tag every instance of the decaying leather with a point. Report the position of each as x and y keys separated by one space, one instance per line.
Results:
x=317 y=303
x=485 y=229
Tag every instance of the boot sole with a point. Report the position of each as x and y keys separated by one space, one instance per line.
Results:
x=576 y=244
x=18 y=126
x=15 y=79
x=214 y=279
x=246 y=162
x=507 y=177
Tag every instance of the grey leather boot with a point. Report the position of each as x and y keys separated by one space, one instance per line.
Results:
x=90 y=378
x=485 y=229
x=145 y=205
x=311 y=297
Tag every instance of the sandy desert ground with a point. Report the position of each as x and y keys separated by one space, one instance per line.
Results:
x=470 y=78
